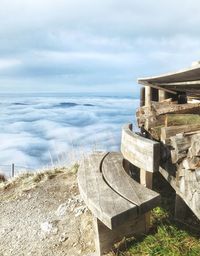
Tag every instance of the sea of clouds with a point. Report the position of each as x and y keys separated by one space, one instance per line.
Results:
x=38 y=131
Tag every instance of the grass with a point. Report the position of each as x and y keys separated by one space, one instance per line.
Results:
x=166 y=237
x=30 y=180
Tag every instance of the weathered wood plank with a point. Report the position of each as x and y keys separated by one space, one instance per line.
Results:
x=172 y=108
x=157 y=87
x=182 y=119
x=146 y=178
x=152 y=116
x=104 y=202
x=147 y=96
x=141 y=152
x=105 y=238
x=167 y=132
x=180 y=142
x=162 y=95
x=142 y=96
x=124 y=185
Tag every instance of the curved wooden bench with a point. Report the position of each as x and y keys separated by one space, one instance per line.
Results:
x=134 y=148
x=118 y=179
x=141 y=152
x=117 y=201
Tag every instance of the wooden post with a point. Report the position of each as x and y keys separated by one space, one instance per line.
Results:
x=146 y=178
x=142 y=97
x=148 y=96
x=162 y=95
x=12 y=170
x=105 y=237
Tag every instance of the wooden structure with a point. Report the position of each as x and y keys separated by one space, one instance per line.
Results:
x=174 y=121
x=120 y=204
x=135 y=148
x=169 y=143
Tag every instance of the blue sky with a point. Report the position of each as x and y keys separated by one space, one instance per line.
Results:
x=94 y=45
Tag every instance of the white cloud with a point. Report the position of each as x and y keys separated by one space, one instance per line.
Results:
x=69 y=45
x=38 y=130
x=9 y=63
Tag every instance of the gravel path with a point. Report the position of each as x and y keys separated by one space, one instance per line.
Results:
x=47 y=219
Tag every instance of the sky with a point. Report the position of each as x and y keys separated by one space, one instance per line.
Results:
x=94 y=45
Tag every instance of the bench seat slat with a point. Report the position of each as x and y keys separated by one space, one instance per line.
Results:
x=118 y=179
x=104 y=202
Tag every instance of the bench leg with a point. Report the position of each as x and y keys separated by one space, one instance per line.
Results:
x=146 y=179
x=105 y=237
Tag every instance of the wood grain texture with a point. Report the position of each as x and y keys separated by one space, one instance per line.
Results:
x=147 y=96
x=146 y=178
x=167 y=132
x=162 y=95
x=104 y=202
x=182 y=119
x=118 y=179
x=153 y=116
x=105 y=238
x=141 y=152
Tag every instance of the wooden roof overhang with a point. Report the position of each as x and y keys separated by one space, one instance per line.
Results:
x=186 y=80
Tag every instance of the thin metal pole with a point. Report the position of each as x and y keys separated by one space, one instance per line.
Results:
x=13 y=170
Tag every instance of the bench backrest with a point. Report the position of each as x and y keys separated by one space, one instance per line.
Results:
x=141 y=152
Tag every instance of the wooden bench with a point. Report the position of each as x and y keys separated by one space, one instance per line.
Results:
x=118 y=202
x=141 y=152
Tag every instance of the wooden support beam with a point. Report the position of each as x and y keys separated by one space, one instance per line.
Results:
x=182 y=119
x=167 y=132
x=142 y=96
x=146 y=178
x=162 y=95
x=197 y=83
x=105 y=237
x=156 y=86
x=147 y=96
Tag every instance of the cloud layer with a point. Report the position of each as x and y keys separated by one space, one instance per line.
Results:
x=37 y=130
x=94 y=45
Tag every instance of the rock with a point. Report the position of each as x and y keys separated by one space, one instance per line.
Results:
x=61 y=211
x=80 y=210
x=191 y=163
x=63 y=238
x=46 y=227
x=49 y=227
x=70 y=205
x=194 y=150
x=197 y=174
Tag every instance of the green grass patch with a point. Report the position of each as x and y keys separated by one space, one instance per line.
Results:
x=166 y=236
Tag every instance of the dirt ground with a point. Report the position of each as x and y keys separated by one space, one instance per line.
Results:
x=44 y=215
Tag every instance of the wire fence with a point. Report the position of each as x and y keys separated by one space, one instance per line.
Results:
x=10 y=170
